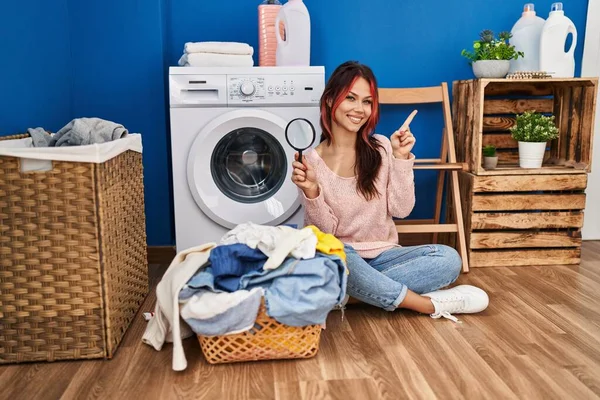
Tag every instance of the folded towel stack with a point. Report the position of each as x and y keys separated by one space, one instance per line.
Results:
x=217 y=54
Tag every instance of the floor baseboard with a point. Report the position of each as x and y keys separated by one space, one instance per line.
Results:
x=161 y=254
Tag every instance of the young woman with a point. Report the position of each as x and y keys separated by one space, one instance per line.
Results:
x=353 y=183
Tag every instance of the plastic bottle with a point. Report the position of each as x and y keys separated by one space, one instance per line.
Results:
x=295 y=49
x=267 y=39
x=526 y=35
x=553 y=58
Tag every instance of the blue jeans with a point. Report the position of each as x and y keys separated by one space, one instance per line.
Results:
x=383 y=281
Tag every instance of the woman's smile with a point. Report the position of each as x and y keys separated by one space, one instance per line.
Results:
x=355 y=120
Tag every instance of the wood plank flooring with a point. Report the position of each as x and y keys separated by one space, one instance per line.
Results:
x=539 y=339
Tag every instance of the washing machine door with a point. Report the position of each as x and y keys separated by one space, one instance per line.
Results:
x=239 y=169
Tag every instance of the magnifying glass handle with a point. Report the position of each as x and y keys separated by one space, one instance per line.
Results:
x=300 y=156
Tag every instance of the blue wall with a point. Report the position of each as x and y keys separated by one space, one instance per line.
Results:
x=35 y=65
x=109 y=59
x=119 y=75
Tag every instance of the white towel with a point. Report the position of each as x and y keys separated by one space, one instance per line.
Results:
x=216 y=60
x=166 y=323
x=219 y=48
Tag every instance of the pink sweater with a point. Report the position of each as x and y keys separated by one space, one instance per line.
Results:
x=342 y=211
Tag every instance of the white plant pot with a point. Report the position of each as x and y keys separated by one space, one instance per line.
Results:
x=491 y=68
x=531 y=154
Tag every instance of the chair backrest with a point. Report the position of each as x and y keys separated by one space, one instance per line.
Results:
x=421 y=95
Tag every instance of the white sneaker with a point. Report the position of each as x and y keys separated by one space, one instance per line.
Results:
x=462 y=299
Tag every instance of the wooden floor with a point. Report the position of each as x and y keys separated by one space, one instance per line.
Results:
x=539 y=338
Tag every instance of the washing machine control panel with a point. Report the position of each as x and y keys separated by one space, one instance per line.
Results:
x=246 y=88
x=274 y=89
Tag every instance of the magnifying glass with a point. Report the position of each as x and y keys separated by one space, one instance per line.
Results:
x=300 y=135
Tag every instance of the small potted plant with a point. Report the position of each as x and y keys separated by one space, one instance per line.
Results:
x=533 y=131
x=490 y=159
x=491 y=56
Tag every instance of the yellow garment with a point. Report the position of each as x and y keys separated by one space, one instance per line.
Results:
x=328 y=244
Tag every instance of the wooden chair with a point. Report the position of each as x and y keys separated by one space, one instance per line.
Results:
x=446 y=162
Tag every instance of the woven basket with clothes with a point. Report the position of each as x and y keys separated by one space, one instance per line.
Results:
x=256 y=302
x=73 y=263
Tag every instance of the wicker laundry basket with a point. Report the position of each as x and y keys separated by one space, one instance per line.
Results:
x=73 y=263
x=267 y=340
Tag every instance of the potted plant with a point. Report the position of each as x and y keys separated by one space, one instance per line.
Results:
x=490 y=159
x=533 y=130
x=491 y=56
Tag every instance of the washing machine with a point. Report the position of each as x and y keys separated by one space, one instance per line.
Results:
x=231 y=162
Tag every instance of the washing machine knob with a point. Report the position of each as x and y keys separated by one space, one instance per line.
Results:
x=247 y=88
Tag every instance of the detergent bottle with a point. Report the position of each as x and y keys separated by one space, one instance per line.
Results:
x=267 y=40
x=553 y=58
x=294 y=49
x=526 y=35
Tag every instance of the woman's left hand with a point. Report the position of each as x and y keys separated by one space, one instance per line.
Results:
x=403 y=140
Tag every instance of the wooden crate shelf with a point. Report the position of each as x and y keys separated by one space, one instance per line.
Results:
x=485 y=109
x=523 y=220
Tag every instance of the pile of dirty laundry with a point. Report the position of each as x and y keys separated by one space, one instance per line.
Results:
x=217 y=289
